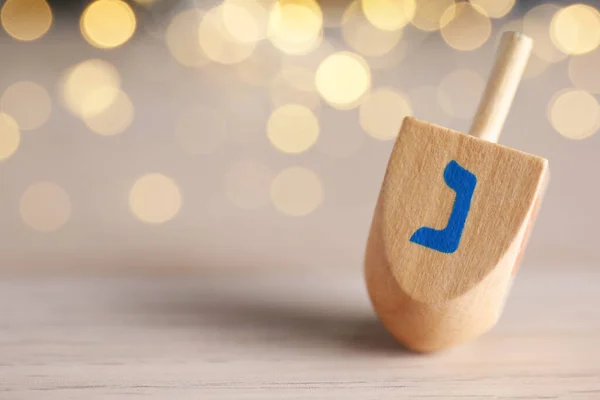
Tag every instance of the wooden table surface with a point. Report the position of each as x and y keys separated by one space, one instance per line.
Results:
x=274 y=336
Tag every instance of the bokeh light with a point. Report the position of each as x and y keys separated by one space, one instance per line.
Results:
x=389 y=15
x=495 y=8
x=245 y=20
x=428 y=14
x=155 y=198
x=296 y=191
x=28 y=103
x=576 y=29
x=293 y=128
x=183 y=38
x=342 y=79
x=218 y=44
x=465 y=26
x=365 y=38
x=382 y=112
x=584 y=71
x=45 y=206
x=107 y=23
x=459 y=93
x=536 y=25
x=296 y=26
x=26 y=19
x=10 y=137
x=200 y=129
x=575 y=114
x=114 y=119
x=295 y=85
x=86 y=87
x=247 y=184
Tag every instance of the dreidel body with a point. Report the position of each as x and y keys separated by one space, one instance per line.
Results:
x=452 y=219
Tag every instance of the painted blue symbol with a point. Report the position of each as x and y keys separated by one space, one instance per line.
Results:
x=463 y=182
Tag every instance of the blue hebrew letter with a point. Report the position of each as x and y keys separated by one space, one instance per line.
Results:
x=447 y=240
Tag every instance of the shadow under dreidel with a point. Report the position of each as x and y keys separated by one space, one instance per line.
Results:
x=290 y=313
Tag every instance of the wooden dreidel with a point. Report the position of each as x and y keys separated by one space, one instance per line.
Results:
x=452 y=219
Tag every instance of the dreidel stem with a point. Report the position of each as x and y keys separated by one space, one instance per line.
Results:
x=504 y=79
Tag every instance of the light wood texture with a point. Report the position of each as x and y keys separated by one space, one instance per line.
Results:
x=430 y=299
x=275 y=337
x=441 y=255
x=502 y=85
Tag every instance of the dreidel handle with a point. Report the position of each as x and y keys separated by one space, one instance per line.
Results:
x=504 y=79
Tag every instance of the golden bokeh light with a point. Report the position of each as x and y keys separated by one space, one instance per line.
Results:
x=295 y=85
x=293 y=128
x=459 y=93
x=296 y=191
x=575 y=114
x=247 y=184
x=115 y=119
x=45 y=206
x=465 y=26
x=200 y=130
x=428 y=14
x=26 y=19
x=28 y=103
x=218 y=44
x=365 y=38
x=84 y=87
x=107 y=23
x=584 y=71
x=10 y=137
x=389 y=15
x=296 y=26
x=495 y=8
x=536 y=25
x=245 y=20
x=343 y=79
x=382 y=112
x=576 y=29
x=155 y=198
x=183 y=38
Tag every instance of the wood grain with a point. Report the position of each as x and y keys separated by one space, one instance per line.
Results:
x=297 y=336
x=430 y=299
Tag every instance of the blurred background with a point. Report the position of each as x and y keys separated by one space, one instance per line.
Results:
x=164 y=136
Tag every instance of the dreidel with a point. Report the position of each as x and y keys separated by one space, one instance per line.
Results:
x=452 y=219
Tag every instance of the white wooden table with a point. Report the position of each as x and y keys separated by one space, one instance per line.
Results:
x=269 y=336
